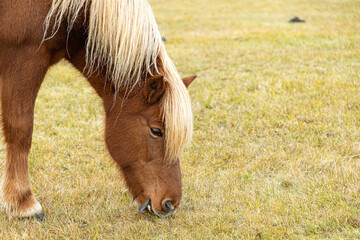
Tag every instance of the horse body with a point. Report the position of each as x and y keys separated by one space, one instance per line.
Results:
x=135 y=114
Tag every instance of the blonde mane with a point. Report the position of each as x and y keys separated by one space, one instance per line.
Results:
x=123 y=38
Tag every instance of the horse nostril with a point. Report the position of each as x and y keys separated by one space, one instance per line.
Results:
x=167 y=205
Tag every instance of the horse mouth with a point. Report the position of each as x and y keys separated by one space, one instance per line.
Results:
x=147 y=206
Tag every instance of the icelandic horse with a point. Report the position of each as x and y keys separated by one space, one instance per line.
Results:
x=116 y=44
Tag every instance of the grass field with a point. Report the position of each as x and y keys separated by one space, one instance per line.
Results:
x=276 y=147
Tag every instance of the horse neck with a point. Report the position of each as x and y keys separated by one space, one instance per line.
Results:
x=104 y=88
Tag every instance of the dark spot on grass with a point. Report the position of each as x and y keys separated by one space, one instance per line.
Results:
x=286 y=184
x=258 y=235
x=296 y=20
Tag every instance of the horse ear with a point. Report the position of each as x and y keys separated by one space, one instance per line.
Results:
x=189 y=80
x=154 y=89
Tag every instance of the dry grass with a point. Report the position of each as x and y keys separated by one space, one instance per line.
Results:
x=276 y=149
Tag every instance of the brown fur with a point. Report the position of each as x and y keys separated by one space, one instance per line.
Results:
x=23 y=64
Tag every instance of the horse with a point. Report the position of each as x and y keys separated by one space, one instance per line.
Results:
x=117 y=46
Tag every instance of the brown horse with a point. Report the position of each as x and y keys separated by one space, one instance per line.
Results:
x=118 y=47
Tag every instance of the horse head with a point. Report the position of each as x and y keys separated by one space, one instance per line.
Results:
x=135 y=134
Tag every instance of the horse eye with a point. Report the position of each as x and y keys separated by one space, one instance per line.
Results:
x=156 y=132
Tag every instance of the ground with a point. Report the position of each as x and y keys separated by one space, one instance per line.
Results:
x=276 y=146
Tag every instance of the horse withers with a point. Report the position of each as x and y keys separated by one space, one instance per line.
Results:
x=118 y=47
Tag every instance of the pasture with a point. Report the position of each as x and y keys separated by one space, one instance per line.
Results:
x=276 y=145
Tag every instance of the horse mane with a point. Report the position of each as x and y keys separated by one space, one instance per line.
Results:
x=123 y=39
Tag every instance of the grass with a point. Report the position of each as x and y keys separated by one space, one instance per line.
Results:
x=276 y=148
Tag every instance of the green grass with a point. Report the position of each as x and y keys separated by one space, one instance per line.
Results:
x=276 y=147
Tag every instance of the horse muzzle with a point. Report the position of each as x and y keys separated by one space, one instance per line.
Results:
x=147 y=206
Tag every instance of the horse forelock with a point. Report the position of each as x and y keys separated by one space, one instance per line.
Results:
x=176 y=112
x=123 y=38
